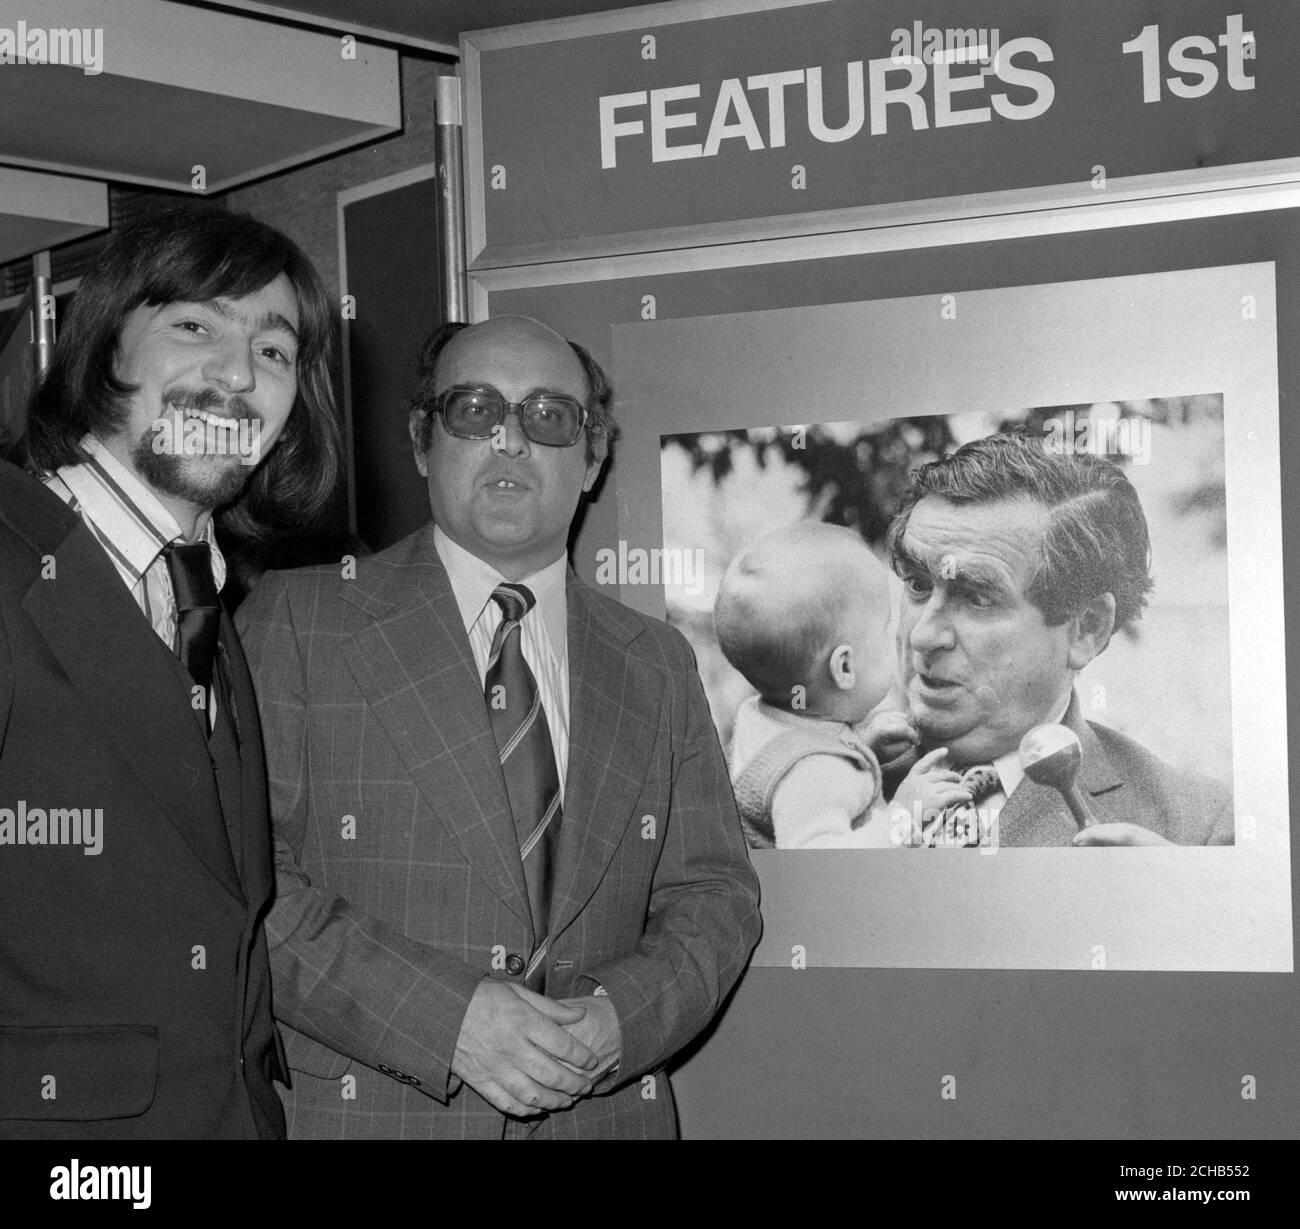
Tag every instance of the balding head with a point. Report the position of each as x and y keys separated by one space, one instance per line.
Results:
x=510 y=331
x=497 y=492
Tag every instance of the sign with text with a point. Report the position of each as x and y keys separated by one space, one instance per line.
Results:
x=681 y=123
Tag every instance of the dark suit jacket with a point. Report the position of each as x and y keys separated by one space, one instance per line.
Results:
x=134 y=988
x=399 y=878
x=1123 y=783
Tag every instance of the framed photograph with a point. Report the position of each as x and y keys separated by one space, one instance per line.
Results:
x=1172 y=378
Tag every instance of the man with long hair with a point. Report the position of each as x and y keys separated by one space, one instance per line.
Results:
x=192 y=378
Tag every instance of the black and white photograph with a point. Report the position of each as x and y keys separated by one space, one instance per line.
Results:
x=790 y=594
x=708 y=570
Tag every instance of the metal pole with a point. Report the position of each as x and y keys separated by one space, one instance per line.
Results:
x=43 y=322
x=450 y=181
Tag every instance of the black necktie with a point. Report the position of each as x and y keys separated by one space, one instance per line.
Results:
x=198 y=610
x=527 y=762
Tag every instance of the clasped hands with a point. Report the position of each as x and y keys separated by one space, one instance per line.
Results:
x=527 y=1054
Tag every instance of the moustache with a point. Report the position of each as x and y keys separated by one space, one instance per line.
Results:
x=209 y=399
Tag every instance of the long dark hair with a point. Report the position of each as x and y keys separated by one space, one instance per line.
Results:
x=194 y=253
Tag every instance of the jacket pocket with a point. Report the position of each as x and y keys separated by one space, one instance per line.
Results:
x=77 y=1074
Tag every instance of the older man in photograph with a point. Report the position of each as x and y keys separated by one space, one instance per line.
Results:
x=1018 y=566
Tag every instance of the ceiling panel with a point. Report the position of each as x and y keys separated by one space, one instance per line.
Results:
x=173 y=87
x=148 y=133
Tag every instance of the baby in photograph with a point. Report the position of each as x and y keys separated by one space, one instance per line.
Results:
x=804 y=615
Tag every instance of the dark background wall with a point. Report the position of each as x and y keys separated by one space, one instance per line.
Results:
x=304 y=203
x=393 y=275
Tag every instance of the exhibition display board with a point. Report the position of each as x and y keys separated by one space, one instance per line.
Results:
x=775 y=362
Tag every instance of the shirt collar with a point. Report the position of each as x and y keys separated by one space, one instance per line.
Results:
x=127 y=512
x=1009 y=769
x=473 y=579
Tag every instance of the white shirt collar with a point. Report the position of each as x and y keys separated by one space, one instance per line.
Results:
x=1008 y=766
x=126 y=511
x=473 y=579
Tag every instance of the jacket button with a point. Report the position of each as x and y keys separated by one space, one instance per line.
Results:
x=515 y=964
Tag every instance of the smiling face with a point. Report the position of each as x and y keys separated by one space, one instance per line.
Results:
x=506 y=499
x=213 y=384
x=980 y=664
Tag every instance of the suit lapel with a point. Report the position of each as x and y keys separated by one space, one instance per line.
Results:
x=614 y=705
x=132 y=692
x=1037 y=815
x=413 y=664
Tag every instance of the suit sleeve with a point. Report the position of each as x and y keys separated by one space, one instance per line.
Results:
x=344 y=978
x=703 y=919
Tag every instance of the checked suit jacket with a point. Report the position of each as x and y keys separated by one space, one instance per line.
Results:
x=399 y=882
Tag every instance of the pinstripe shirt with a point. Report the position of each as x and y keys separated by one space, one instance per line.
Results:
x=132 y=526
x=543 y=629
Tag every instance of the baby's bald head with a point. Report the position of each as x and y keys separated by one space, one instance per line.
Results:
x=788 y=599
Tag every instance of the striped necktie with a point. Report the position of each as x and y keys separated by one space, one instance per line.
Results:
x=959 y=825
x=527 y=763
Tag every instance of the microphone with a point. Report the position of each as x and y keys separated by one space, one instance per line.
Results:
x=1050 y=755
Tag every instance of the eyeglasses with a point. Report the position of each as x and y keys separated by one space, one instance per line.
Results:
x=474 y=413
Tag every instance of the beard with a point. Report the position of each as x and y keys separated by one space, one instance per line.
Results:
x=207 y=480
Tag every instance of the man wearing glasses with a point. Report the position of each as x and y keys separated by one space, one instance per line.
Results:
x=511 y=878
